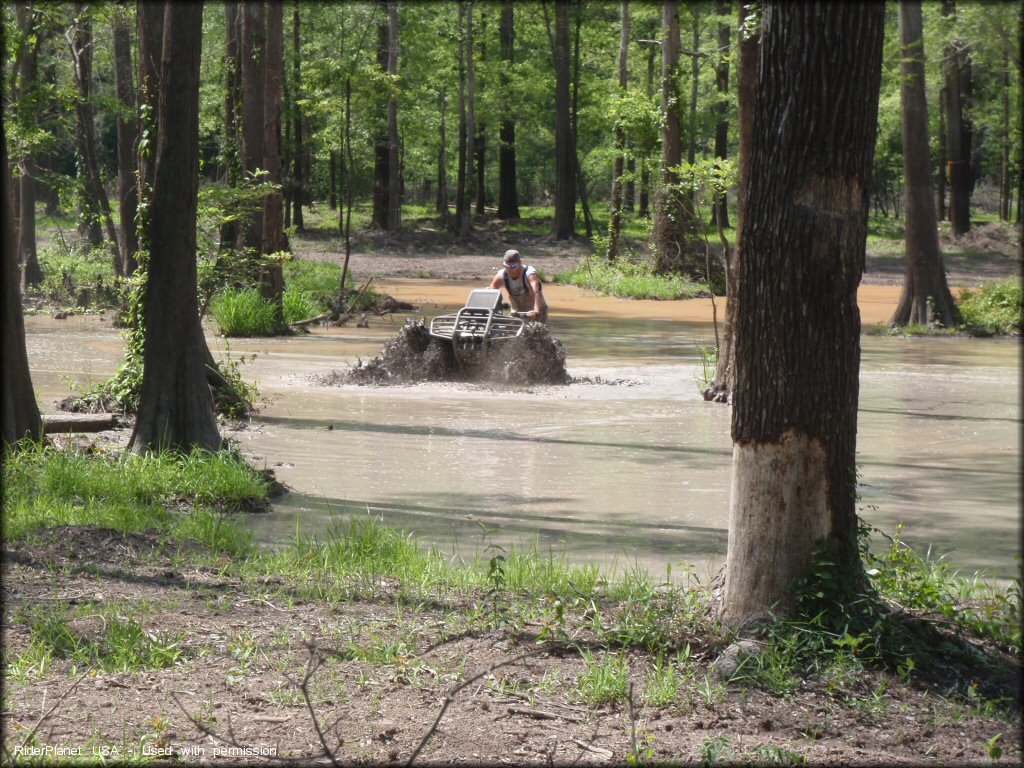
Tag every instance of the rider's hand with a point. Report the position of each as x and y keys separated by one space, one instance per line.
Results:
x=532 y=314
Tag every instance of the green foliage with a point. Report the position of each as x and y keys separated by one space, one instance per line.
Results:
x=244 y=312
x=604 y=681
x=630 y=280
x=66 y=269
x=45 y=487
x=994 y=306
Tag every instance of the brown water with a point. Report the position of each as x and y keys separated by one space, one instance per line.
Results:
x=632 y=472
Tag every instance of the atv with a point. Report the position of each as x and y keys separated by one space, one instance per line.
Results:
x=473 y=329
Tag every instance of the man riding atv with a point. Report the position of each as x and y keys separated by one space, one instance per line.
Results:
x=522 y=284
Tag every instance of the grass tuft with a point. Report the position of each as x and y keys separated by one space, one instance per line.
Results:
x=631 y=280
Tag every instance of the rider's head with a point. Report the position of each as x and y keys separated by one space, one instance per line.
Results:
x=512 y=261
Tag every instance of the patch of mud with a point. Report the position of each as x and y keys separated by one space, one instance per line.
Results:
x=990 y=236
x=414 y=356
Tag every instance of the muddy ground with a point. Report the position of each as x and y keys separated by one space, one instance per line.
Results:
x=243 y=650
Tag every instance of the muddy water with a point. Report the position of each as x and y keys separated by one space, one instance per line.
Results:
x=631 y=472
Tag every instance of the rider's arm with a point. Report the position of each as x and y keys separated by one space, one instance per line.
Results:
x=535 y=290
x=497 y=281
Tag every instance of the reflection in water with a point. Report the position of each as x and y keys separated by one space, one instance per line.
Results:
x=636 y=472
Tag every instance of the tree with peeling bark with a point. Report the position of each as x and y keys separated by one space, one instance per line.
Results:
x=926 y=296
x=794 y=420
x=176 y=405
x=19 y=412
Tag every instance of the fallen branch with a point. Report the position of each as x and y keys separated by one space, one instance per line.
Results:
x=347 y=315
x=310 y=320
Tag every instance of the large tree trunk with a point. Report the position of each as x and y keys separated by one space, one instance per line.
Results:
x=274 y=239
x=749 y=48
x=618 y=165
x=508 y=198
x=127 y=138
x=957 y=79
x=19 y=412
x=176 y=406
x=253 y=48
x=720 y=214
x=675 y=229
x=231 y=153
x=299 y=150
x=149 y=24
x=925 y=296
x=565 y=167
x=394 y=214
x=95 y=203
x=794 y=421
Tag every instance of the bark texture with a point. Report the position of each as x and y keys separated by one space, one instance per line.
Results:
x=957 y=88
x=565 y=167
x=675 y=229
x=925 y=297
x=127 y=139
x=19 y=413
x=618 y=165
x=176 y=405
x=253 y=51
x=508 y=198
x=274 y=239
x=721 y=210
x=794 y=421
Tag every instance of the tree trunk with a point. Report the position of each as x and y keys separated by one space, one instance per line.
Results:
x=19 y=412
x=675 y=229
x=466 y=223
x=461 y=209
x=231 y=154
x=298 y=177
x=441 y=204
x=274 y=239
x=394 y=211
x=381 y=148
x=127 y=138
x=629 y=199
x=645 y=171
x=691 y=145
x=925 y=296
x=254 y=53
x=720 y=213
x=176 y=407
x=956 y=71
x=332 y=194
x=794 y=421
x=95 y=203
x=749 y=50
x=940 y=183
x=508 y=198
x=149 y=21
x=615 y=214
x=581 y=181
x=26 y=71
x=480 y=144
x=565 y=170
x=1004 y=166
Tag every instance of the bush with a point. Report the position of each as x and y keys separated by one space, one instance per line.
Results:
x=995 y=307
x=630 y=280
x=244 y=313
x=301 y=305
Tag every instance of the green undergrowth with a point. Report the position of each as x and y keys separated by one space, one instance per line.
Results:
x=629 y=279
x=917 y=618
x=995 y=307
x=45 y=487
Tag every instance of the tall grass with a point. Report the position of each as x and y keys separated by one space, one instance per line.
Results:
x=45 y=487
x=244 y=312
x=993 y=306
x=630 y=280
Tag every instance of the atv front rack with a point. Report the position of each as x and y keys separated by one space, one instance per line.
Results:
x=476 y=326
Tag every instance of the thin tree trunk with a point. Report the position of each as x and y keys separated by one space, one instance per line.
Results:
x=149 y=20
x=26 y=70
x=629 y=199
x=675 y=227
x=176 y=406
x=748 y=49
x=958 y=133
x=691 y=145
x=231 y=154
x=381 y=153
x=508 y=198
x=96 y=204
x=274 y=239
x=461 y=212
x=721 y=210
x=794 y=419
x=467 y=221
x=581 y=183
x=615 y=214
x=253 y=48
x=332 y=193
x=394 y=211
x=1004 y=166
x=480 y=144
x=127 y=138
x=645 y=170
x=940 y=185
x=441 y=204
x=565 y=170
x=925 y=294
x=298 y=177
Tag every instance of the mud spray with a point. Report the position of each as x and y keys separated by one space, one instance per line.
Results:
x=534 y=357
